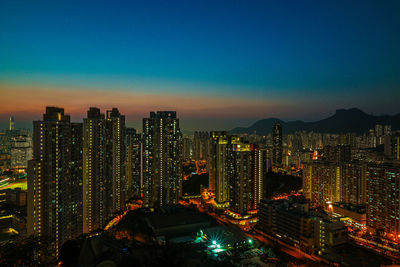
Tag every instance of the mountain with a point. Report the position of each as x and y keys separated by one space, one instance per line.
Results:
x=351 y=120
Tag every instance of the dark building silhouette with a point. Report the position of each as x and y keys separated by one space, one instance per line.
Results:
x=12 y=124
x=200 y=145
x=337 y=154
x=162 y=159
x=94 y=198
x=133 y=162
x=392 y=146
x=115 y=160
x=55 y=179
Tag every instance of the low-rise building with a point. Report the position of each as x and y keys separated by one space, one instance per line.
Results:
x=11 y=225
x=16 y=197
x=329 y=232
x=353 y=216
x=292 y=222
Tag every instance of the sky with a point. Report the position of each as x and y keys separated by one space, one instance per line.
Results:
x=219 y=64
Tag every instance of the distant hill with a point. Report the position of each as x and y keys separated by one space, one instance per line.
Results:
x=351 y=120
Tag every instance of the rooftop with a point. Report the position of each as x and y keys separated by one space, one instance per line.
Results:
x=360 y=209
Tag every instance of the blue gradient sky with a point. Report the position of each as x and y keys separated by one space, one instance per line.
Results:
x=231 y=62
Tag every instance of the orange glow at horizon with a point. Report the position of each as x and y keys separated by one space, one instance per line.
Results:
x=30 y=101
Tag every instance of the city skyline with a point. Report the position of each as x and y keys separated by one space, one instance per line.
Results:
x=199 y=133
x=230 y=124
x=219 y=65
x=93 y=174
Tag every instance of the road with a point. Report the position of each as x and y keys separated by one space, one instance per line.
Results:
x=12 y=185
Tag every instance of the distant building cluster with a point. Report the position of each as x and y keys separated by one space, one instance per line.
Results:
x=369 y=178
x=361 y=172
x=15 y=148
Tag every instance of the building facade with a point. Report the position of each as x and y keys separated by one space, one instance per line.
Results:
x=200 y=145
x=326 y=182
x=219 y=165
x=290 y=220
x=94 y=198
x=133 y=163
x=21 y=151
x=54 y=202
x=383 y=196
x=161 y=159
x=277 y=144
x=245 y=177
x=115 y=161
